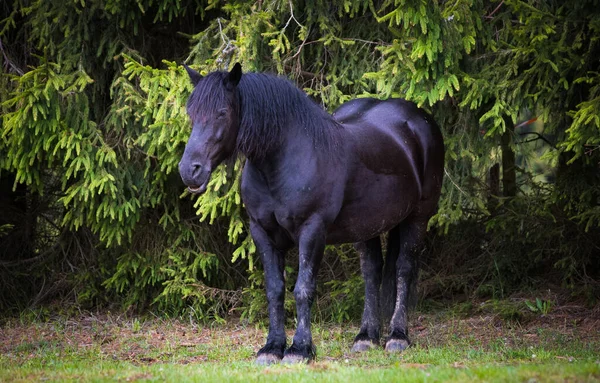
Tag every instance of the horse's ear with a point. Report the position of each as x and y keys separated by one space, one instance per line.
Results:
x=195 y=77
x=234 y=76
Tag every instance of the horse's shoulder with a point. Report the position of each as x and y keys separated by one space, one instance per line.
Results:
x=254 y=189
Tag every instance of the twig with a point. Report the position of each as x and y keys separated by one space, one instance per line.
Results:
x=589 y=152
x=301 y=45
x=10 y=63
x=495 y=10
x=301 y=72
x=37 y=258
x=454 y=183
x=226 y=51
x=539 y=137
x=370 y=42
x=221 y=32
x=292 y=17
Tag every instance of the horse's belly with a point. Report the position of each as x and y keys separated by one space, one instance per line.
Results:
x=358 y=229
x=373 y=209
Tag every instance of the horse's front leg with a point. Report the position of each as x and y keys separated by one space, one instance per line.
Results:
x=311 y=246
x=273 y=264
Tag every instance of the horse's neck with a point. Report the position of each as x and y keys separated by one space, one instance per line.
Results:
x=290 y=144
x=296 y=157
x=298 y=130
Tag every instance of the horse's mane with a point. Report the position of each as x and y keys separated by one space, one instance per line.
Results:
x=269 y=106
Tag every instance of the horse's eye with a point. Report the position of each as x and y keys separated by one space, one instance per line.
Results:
x=222 y=113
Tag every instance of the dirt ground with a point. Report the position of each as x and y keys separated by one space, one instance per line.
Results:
x=150 y=340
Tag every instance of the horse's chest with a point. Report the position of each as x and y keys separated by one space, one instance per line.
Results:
x=288 y=204
x=293 y=210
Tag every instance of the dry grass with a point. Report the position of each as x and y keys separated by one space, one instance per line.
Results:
x=484 y=327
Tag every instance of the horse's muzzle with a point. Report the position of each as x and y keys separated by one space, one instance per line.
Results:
x=195 y=176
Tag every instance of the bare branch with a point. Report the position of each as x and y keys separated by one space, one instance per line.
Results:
x=494 y=11
x=453 y=183
x=8 y=62
x=539 y=137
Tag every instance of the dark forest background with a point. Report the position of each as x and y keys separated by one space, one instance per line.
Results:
x=92 y=210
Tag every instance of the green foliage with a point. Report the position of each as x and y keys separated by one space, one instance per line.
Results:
x=506 y=310
x=113 y=166
x=583 y=135
x=422 y=63
x=94 y=123
x=345 y=300
x=541 y=306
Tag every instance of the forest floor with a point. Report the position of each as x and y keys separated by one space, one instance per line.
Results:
x=497 y=340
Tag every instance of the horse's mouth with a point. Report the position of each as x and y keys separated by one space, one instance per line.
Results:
x=197 y=189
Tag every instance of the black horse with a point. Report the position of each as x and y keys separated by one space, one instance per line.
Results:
x=313 y=179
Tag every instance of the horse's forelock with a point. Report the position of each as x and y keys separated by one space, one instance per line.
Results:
x=208 y=96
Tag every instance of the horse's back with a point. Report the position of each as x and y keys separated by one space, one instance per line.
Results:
x=359 y=108
x=396 y=133
x=396 y=116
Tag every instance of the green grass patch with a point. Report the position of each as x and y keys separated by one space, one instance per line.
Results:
x=448 y=345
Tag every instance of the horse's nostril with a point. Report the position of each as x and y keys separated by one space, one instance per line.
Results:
x=196 y=168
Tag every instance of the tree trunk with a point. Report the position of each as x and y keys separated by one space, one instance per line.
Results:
x=493 y=186
x=509 y=176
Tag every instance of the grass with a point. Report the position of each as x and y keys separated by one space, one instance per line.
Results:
x=451 y=344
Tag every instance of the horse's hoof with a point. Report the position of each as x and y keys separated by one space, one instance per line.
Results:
x=299 y=354
x=396 y=345
x=295 y=359
x=363 y=345
x=267 y=359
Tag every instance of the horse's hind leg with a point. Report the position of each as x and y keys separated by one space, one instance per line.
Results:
x=411 y=234
x=371 y=263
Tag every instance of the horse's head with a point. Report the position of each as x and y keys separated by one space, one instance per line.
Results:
x=213 y=109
